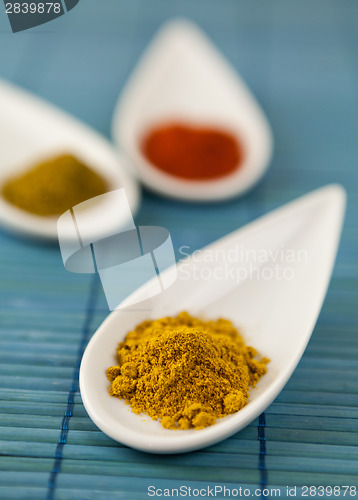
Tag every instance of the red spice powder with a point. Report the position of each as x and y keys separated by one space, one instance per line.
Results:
x=195 y=153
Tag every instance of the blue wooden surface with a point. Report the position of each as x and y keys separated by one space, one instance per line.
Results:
x=300 y=59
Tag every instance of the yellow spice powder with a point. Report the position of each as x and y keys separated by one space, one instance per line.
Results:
x=184 y=371
x=53 y=186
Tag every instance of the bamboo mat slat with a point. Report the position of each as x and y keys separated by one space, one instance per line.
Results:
x=300 y=60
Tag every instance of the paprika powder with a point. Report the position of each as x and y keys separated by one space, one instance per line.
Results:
x=197 y=153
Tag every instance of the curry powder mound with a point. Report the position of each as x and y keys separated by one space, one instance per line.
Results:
x=53 y=186
x=184 y=371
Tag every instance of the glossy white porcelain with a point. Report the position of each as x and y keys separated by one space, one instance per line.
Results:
x=182 y=76
x=31 y=130
x=269 y=277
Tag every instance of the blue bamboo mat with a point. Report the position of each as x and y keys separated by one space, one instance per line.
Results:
x=300 y=59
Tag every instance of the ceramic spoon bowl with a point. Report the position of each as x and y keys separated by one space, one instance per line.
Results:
x=32 y=130
x=269 y=277
x=182 y=76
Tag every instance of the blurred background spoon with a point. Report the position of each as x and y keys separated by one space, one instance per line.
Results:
x=32 y=130
x=183 y=77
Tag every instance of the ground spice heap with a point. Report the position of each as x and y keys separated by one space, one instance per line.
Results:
x=53 y=186
x=184 y=371
x=193 y=152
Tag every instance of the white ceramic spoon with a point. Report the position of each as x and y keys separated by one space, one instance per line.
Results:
x=275 y=308
x=32 y=130
x=182 y=76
